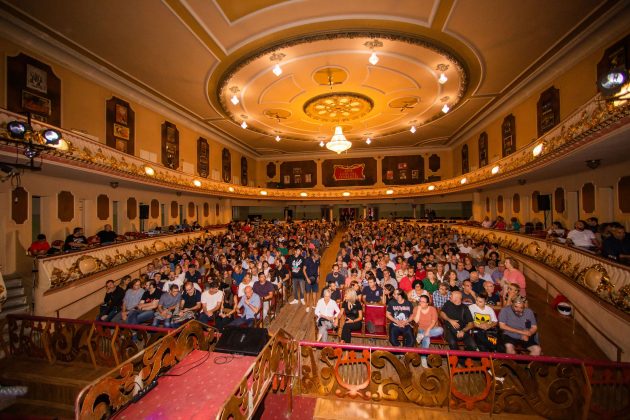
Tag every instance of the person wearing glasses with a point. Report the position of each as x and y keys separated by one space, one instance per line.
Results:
x=399 y=312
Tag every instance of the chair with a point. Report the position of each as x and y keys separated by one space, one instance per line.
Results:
x=375 y=314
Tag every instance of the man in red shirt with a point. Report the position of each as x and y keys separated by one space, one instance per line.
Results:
x=40 y=246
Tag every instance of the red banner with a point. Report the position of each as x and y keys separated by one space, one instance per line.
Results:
x=346 y=173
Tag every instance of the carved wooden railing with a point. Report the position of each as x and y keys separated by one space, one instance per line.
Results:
x=274 y=370
x=550 y=387
x=75 y=340
x=113 y=391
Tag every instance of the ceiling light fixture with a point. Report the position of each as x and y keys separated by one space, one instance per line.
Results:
x=375 y=43
x=278 y=138
x=442 y=69
x=431 y=187
x=197 y=183
x=303 y=194
x=537 y=150
x=442 y=79
x=149 y=170
x=338 y=142
x=463 y=181
x=322 y=144
x=445 y=108
x=389 y=192
x=346 y=194
x=368 y=140
x=277 y=58
x=263 y=192
x=413 y=129
x=244 y=124
x=235 y=90
x=495 y=170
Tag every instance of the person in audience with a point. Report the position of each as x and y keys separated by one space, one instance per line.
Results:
x=486 y=223
x=519 y=327
x=107 y=235
x=581 y=237
x=352 y=312
x=485 y=322
x=440 y=273
x=512 y=291
x=420 y=273
x=483 y=275
x=515 y=225
x=190 y=304
x=453 y=281
x=298 y=275
x=193 y=275
x=335 y=293
x=462 y=273
x=76 y=241
x=426 y=317
x=476 y=282
x=513 y=275
x=388 y=279
x=441 y=296
x=414 y=296
x=372 y=293
x=327 y=313
x=457 y=323
x=592 y=224
x=228 y=308
x=311 y=285
x=499 y=223
x=497 y=275
x=130 y=301
x=39 y=247
x=238 y=274
x=159 y=281
x=250 y=302
x=493 y=298
x=430 y=283
x=146 y=307
x=407 y=281
x=247 y=281
x=112 y=304
x=264 y=290
x=467 y=293
x=211 y=302
x=335 y=276
x=168 y=307
x=556 y=231
x=399 y=313
x=617 y=245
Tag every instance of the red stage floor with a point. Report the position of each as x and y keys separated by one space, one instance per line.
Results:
x=198 y=393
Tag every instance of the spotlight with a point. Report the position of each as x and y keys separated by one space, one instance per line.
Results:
x=593 y=163
x=495 y=170
x=17 y=129
x=197 y=183
x=611 y=82
x=149 y=170
x=263 y=192
x=431 y=187
x=537 y=150
x=51 y=136
x=30 y=153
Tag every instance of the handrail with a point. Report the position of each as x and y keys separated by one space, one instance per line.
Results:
x=147 y=328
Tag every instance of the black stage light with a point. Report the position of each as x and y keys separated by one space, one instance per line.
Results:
x=51 y=136
x=612 y=82
x=17 y=129
x=30 y=152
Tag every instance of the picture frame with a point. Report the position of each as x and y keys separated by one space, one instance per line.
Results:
x=308 y=178
x=121 y=145
x=36 y=79
x=287 y=179
x=36 y=104
x=389 y=175
x=415 y=174
x=121 y=114
x=121 y=131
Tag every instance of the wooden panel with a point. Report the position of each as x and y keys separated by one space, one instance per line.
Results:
x=535 y=195
x=298 y=174
x=155 y=209
x=271 y=170
x=19 y=205
x=191 y=209
x=244 y=171
x=206 y=210
x=65 y=206
x=487 y=204
x=434 y=163
x=174 y=209
x=588 y=197
x=403 y=170
x=465 y=164
x=500 y=204
x=132 y=208
x=623 y=194
x=120 y=129
x=548 y=110
x=170 y=145
x=559 y=200
x=226 y=165
x=203 y=157
x=33 y=88
x=366 y=167
x=102 y=207
x=483 y=149
x=516 y=203
x=508 y=135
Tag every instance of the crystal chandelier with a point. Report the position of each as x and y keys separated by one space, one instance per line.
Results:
x=338 y=142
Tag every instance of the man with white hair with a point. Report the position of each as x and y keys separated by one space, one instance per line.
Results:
x=250 y=302
x=327 y=312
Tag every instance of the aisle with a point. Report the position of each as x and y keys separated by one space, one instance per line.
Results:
x=293 y=318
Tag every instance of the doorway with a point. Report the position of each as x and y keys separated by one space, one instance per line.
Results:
x=36 y=217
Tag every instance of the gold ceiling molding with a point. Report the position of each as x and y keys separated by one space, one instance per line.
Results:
x=338 y=107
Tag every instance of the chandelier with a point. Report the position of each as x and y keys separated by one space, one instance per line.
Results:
x=338 y=142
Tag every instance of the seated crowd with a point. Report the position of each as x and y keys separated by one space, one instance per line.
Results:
x=229 y=279
x=430 y=284
x=610 y=240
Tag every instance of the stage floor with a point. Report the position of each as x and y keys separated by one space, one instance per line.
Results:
x=203 y=383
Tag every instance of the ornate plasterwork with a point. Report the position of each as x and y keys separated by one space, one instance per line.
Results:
x=338 y=107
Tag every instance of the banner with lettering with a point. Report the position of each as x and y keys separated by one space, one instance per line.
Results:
x=349 y=172
x=346 y=172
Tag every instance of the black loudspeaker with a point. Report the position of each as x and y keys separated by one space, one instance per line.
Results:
x=247 y=341
x=144 y=211
x=544 y=203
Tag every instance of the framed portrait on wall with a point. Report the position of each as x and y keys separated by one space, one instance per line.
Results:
x=226 y=165
x=203 y=157
x=121 y=114
x=308 y=178
x=286 y=180
x=297 y=178
x=119 y=125
x=483 y=149
x=508 y=135
x=36 y=79
x=548 y=110
x=415 y=174
x=170 y=145
x=389 y=175
x=465 y=164
x=402 y=175
x=244 y=174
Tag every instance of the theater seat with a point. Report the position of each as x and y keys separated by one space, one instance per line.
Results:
x=375 y=314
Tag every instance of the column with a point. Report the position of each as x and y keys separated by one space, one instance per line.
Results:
x=379 y=171
x=413 y=208
x=320 y=179
x=478 y=207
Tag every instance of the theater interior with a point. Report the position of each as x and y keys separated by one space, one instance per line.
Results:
x=179 y=122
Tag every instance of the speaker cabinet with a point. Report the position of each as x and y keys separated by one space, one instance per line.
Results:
x=544 y=203
x=247 y=341
x=144 y=211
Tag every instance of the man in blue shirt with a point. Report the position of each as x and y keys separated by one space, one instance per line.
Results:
x=238 y=274
x=312 y=279
x=250 y=302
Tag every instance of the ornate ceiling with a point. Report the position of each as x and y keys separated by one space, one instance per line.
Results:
x=194 y=55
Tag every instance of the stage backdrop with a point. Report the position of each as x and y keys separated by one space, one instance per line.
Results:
x=349 y=172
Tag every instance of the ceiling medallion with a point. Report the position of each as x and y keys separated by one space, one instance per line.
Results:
x=338 y=107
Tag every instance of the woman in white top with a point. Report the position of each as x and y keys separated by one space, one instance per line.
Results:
x=327 y=312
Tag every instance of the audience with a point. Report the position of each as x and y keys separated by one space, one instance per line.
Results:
x=112 y=304
x=519 y=327
x=352 y=313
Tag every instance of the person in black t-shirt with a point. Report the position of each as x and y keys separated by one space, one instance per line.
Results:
x=147 y=306
x=75 y=241
x=190 y=304
x=107 y=235
x=112 y=304
x=399 y=313
x=298 y=274
x=372 y=293
x=352 y=312
x=335 y=276
x=335 y=293
x=192 y=275
x=457 y=322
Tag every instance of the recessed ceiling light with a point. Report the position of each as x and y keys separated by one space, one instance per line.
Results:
x=368 y=140
x=244 y=124
x=231 y=189
x=303 y=194
x=277 y=138
x=234 y=100
x=373 y=59
x=431 y=187
x=263 y=192
x=277 y=70
x=197 y=183
x=389 y=192
x=442 y=79
x=495 y=170
x=346 y=194
x=445 y=108
x=463 y=181
x=149 y=170
x=413 y=129
x=538 y=149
